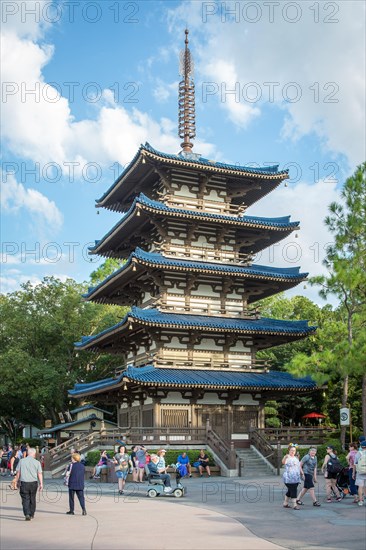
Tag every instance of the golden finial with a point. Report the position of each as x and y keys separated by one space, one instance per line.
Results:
x=186 y=102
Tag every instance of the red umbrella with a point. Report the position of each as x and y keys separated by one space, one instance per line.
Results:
x=314 y=415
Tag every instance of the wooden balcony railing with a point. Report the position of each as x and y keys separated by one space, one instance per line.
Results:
x=316 y=435
x=205 y=254
x=209 y=309
x=206 y=205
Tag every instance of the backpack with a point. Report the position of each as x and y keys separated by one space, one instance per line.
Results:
x=361 y=464
x=334 y=466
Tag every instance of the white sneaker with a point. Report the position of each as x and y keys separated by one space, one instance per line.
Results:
x=360 y=503
x=168 y=490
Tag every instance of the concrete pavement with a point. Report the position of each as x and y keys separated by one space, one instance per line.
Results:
x=216 y=513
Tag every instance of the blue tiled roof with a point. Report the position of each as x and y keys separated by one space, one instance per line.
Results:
x=255 y=221
x=209 y=379
x=157 y=259
x=155 y=317
x=200 y=161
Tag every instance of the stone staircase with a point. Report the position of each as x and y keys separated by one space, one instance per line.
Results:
x=252 y=464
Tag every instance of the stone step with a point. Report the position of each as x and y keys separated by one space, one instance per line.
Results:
x=252 y=464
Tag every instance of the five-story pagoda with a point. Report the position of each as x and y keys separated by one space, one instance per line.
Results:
x=188 y=345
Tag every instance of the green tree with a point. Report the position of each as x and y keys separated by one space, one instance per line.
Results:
x=104 y=270
x=40 y=325
x=342 y=342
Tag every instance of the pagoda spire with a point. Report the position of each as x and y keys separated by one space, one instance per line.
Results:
x=186 y=102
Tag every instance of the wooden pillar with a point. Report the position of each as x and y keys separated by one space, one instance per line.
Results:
x=261 y=415
x=156 y=412
x=230 y=420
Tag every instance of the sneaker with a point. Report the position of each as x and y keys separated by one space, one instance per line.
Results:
x=339 y=499
x=360 y=503
x=84 y=512
x=27 y=518
x=120 y=492
x=316 y=503
x=329 y=500
x=69 y=513
x=190 y=475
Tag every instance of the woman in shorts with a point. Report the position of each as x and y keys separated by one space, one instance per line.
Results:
x=122 y=464
x=308 y=466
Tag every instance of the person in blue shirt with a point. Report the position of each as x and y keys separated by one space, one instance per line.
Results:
x=183 y=460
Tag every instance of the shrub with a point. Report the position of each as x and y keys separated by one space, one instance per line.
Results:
x=92 y=457
x=171 y=455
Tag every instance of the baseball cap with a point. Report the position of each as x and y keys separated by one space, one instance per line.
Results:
x=363 y=443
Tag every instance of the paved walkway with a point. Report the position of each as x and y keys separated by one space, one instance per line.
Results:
x=216 y=513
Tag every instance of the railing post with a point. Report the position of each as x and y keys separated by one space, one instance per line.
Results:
x=232 y=457
x=47 y=465
x=207 y=428
x=279 y=457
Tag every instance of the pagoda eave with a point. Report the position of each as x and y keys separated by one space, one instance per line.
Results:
x=134 y=380
x=115 y=287
x=147 y=158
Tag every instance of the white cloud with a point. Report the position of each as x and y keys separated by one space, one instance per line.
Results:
x=41 y=127
x=309 y=205
x=324 y=59
x=163 y=90
x=28 y=18
x=11 y=280
x=15 y=197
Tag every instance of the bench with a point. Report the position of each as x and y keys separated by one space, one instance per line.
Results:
x=108 y=475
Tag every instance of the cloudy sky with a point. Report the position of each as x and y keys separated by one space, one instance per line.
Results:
x=85 y=83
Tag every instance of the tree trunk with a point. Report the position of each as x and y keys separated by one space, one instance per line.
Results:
x=364 y=404
x=344 y=404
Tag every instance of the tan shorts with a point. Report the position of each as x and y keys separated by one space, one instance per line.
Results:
x=360 y=480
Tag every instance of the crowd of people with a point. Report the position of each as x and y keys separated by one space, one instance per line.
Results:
x=20 y=462
x=297 y=469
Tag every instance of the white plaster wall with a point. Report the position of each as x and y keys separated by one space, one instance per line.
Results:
x=176 y=290
x=204 y=290
x=245 y=399
x=174 y=398
x=185 y=192
x=176 y=241
x=201 y=241
x=176 y=344
x=209 y=344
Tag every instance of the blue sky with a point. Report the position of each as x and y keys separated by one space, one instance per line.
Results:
x=275 y=83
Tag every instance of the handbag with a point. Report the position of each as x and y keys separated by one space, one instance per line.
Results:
x=67 y=476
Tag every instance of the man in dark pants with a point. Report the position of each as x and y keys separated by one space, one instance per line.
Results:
x=29 y=473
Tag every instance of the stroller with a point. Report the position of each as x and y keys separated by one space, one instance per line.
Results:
x=343 y=482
